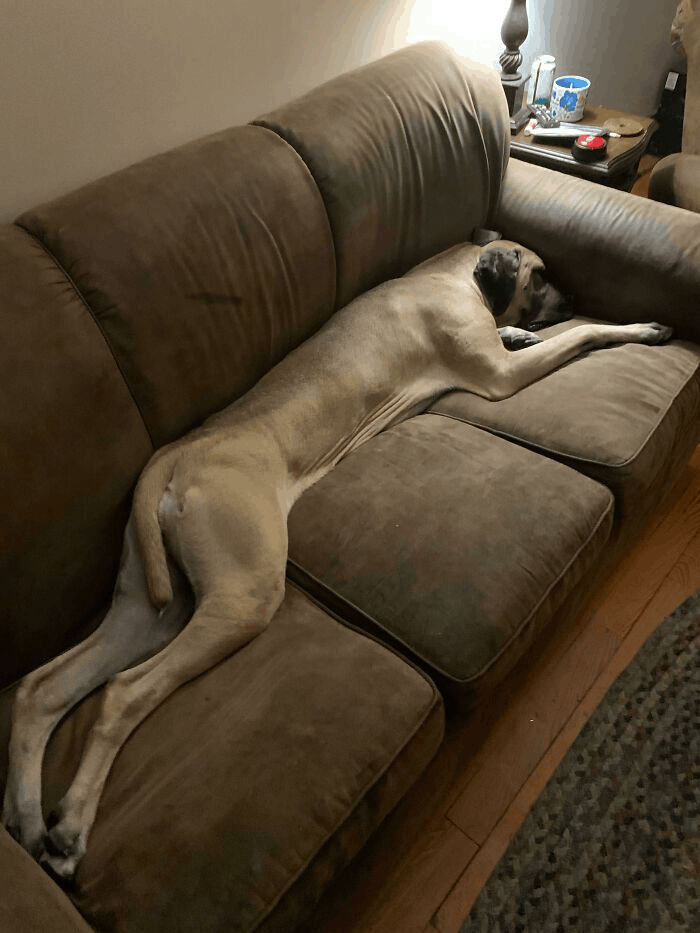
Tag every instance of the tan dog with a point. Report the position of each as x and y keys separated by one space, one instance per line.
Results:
x=206 y=544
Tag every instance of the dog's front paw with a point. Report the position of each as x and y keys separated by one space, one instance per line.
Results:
x=654 y=333
x=515 y=338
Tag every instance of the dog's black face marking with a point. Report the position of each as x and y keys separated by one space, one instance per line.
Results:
x=547 y=304
x=496 y=272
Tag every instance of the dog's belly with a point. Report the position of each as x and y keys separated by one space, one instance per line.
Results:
x=311 y=461
x=337 y=390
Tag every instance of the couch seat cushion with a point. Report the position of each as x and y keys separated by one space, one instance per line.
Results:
x=30 y=900
x=236 y=802
x=627 y=416
x=451 y=543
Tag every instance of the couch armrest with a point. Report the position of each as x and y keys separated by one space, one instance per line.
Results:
x=676 y=180
x=30 y=900
x=624 y=258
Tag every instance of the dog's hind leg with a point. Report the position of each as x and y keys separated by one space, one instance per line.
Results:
x=237 y=556
x=211 y=636
x=130 y=632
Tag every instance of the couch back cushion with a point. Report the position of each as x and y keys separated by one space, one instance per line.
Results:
x=408 y=153
x=203 y=267
x=73 y=442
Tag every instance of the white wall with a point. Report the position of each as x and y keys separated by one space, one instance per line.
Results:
x=88 y=86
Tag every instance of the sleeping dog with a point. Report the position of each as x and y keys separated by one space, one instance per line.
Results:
x=205 y=548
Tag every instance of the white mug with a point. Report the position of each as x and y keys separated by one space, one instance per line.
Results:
x=569 y=95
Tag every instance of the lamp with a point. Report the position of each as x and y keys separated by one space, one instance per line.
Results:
x=513 y=33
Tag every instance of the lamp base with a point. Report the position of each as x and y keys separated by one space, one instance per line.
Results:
x=514 y=88
x=519 y=119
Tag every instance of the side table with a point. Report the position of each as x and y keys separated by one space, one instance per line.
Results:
x=617 y=170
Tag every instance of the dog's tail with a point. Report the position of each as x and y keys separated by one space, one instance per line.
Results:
x=147 y=495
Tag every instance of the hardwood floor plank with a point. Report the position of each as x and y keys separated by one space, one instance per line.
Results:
x=421 y=881
x=632 y=585
x=559 y=679
x=641 y=184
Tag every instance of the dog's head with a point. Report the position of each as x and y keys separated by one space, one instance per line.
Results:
x=514 y=283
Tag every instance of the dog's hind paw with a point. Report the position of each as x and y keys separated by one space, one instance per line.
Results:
x=28 y=833
x=62 y=870
x=63 y=849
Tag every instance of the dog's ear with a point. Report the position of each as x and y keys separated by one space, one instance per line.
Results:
x=496 y=272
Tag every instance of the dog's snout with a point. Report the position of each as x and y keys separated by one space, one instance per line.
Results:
x=554 y=307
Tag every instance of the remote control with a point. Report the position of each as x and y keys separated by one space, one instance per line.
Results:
x=544 y=116
x=567 y=131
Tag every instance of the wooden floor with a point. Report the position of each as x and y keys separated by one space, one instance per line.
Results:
x=426 y=865
x=641 y=185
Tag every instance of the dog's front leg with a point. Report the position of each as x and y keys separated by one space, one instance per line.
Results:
x=515 y=371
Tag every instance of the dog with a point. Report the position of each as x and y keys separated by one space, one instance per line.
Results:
x=203 y=564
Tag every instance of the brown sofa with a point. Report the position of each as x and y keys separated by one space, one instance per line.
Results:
x=421 y=569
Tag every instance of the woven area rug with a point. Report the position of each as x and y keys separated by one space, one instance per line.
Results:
x=613 y=843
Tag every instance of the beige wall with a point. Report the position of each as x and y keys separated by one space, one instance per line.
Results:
x=88 y=86
x=622 y=46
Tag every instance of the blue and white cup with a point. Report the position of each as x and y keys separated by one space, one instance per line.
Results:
x=569 y=94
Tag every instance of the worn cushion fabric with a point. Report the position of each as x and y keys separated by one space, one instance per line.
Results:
x=203 y=266
x=450 y=542
x=623 y=258
x=73 y=442
x=408 y=153
x=236 y=802
x=30 y=901
x=627 y=416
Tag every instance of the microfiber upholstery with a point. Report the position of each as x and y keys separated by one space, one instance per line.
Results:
x=203 y=265
x=408 y=153
x=30 y=899
x=627 y=416
x=73 y=442
x=624 y=259
x=238 y=799
x=451 y=543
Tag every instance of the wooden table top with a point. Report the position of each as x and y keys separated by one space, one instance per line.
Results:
x=623 y=153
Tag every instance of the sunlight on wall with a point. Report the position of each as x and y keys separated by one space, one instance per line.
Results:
x=472 y=27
